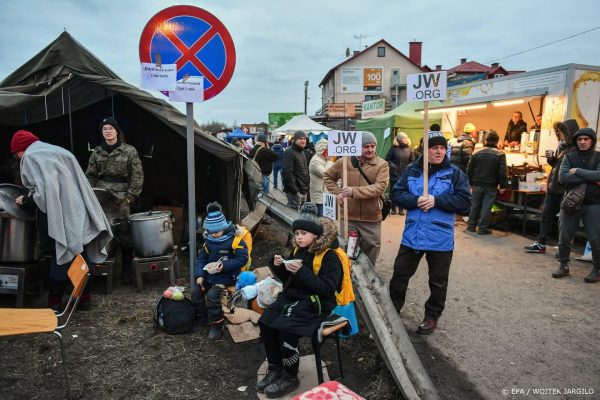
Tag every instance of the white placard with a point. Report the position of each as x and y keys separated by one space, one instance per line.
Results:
x=329 y=206
x=190 y=91
x=427 y=86
x=344 y=143
x=159 y=78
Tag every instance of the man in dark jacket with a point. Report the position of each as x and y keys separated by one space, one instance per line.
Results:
x=429 y=227
x=516 y=127
x=486 y=170
x=554 y=189
x=277 y=165
x=295 y=171
x=581 y=167
x=264 y=156
x=463 y=148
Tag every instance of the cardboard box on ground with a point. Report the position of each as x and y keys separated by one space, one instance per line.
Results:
x=242 y=322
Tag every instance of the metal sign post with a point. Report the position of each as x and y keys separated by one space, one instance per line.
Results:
x=202 y=51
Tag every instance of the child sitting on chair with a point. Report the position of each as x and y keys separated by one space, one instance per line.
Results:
x=217 y=267
x=308 y=297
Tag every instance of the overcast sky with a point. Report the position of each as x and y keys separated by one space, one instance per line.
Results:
x=281 y=44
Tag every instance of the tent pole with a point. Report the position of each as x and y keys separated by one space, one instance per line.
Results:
x=70 y=116
x=191 y=180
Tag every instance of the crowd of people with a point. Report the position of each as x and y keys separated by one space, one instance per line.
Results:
x=461 y=180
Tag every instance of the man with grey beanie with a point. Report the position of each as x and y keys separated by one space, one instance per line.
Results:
x=364 y=195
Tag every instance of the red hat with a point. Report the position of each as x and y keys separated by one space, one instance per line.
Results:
x=21 y=140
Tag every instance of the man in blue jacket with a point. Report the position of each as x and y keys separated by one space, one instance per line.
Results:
x=429 y=226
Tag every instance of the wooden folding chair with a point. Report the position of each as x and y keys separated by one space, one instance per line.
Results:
x=23 y=321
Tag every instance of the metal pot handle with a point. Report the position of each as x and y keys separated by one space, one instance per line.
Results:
x=167 y=225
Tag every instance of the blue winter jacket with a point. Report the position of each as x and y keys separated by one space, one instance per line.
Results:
x=278 y=149
x=233 y=261
x=434 y=229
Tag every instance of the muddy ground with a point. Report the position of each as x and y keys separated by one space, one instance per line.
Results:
x=114 y=352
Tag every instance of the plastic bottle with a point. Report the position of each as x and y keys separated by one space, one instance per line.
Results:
x=353 y=247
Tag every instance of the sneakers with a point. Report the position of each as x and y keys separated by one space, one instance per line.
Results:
x=594 y=276
x=484 y=231
x=536 y=247
x=216 y=330
x=427 y=326
x=283 y=385
x=561 y=271
x=273 y=373
x=470 y=228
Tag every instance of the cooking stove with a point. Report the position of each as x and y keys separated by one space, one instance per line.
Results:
x=18 y=278
x=166 y=262
x=105 y=269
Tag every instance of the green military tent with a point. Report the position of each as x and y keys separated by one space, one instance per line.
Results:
x=403 y=118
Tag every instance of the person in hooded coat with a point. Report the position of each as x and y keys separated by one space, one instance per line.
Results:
x=306 y=301
x=317 y=166
x=555 y=190
x=399 y=157
x=581 y=167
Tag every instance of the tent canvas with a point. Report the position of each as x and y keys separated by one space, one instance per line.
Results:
x=403 y=118
x=301 y=123
x=239 y=134
x=63 y=92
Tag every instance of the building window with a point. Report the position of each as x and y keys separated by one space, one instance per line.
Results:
x=381 y=52
x=498 y=75
x=371 y=97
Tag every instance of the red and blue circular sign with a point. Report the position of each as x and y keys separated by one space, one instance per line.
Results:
x=196 y=41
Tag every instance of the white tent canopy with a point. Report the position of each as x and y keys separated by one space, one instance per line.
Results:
x=301 y=123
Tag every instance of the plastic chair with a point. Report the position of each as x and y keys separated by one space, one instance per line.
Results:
x=25 y=321
x=332 y=332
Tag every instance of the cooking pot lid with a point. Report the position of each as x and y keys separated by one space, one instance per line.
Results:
x=146 y=216
x=8 y=194
x=108 y=202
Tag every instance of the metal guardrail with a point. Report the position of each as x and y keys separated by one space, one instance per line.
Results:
x=381 y=317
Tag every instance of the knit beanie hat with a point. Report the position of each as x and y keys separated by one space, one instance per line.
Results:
x=215 y=220
x=261 y=137
x=21 y=140
x=437 y=138
x=308 y=220
x=299 y=135
x=112 y=122
x=368 y=138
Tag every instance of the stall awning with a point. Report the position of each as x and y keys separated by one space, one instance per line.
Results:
x=482 y=102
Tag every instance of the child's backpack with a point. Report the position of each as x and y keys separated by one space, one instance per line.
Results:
x=346 y=295
x=241 y=234
x=174 y=316
x=246 y=236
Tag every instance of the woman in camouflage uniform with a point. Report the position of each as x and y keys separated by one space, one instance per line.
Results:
x=116 y=167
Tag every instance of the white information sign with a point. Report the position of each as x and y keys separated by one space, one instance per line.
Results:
x=344 y=143
x=426 y=86
x=329 y=206
x=190 y=91
x=159 y=78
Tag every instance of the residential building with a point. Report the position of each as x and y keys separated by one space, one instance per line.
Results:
x=377 y=72
x=470 y=71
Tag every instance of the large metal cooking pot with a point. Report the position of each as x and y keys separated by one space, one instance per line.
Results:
x=18 y=234
x=152 y=233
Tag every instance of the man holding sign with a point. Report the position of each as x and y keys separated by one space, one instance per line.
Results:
x=363 y=193
x=429 y=227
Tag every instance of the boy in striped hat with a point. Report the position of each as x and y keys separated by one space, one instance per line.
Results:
x=217 y=267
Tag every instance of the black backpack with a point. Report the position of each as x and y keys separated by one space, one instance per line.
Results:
x=175 y=317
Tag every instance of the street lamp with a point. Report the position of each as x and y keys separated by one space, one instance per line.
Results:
x=305 y=95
